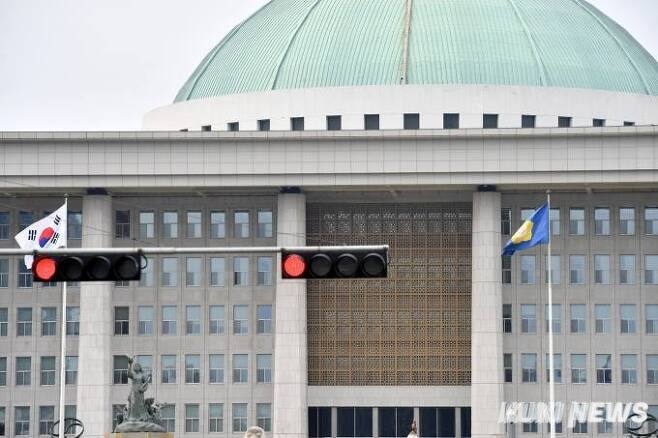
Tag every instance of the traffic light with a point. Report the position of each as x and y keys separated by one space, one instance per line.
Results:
x=348 y=262
x=98 y=267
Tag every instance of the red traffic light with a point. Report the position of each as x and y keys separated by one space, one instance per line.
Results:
x=44 y=269
x=294 y=266
x=87 y=267
x=335 y=262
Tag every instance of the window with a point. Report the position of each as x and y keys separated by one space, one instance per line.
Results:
x=168 y=417
x=192 y=368
x=528 y=318
x=47 y=376
x=24 y=276
x=216 y=320
x=170 y=224
x=217 y=225
x=264 y=368
x=168 y=368
x=4 y=225
x=530 y=427
x=240 y=319
x=74 y=225
x=602 y=316
x=4 y=273
x=412 y=121
x=580 y=427
x=71 y=370
x=169 y=320
x=264 y=271
x=4 y=321
x=146 y=362
x=557 y=318
x=626 y=269
x=120 y=375
x=145 y=317
x=70 y=411
x=357 y=422
x=395 y=422
x=529 y=367
x=264 y=125
x=264 y=319
x=122 y=224
x=577 y=269
x=297 y=123
x=528 y=121
x=652 y=319
x=23 y=371
x=240 y=368
x=627 y=221
x=193 y=272
x=629 y=123
x=206 y=128
x=490 y=121
x=554 y=216
x=508 y=368
x=558 y=427
x=191 y=418
x=193 y=320
x=146 y=225
x=602 y=221
x=264 y=223
x=24 y=321
x=48 y=321
x=652 y=369
x=651 y=220
x=450 y=121
x=241 y=224
x=2 y=421
x=506 y=264
x=507 y=318
x=217 y=272
x=557 y=368
x=577 y=221
x=216 y=368
x=117 y=411
x=264 y=416
x=556 y=276
x=628 y=369
x=239 y=417
x=578 y=318
x=604 y=426
x=527 y=269
x=334 y=123
x=241 y=271
x=46 y=419
x=25 y=219
x=578 y=368
x=146 y=279
x=193 y=225
x=651 y=269
x=169 y=276
x=215 y=417
x=602 y=269
x=598 y=122
x=22 y=420
x=233 y=126
x=73 y=321
x=506 y=221
x=526 y=213
x=563 y=122
x=121 y=321
x=603 y=368
x=371 y=122
x=628 y=314
x=3 y=372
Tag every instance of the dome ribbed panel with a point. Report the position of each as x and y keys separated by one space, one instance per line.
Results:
x=469 y=42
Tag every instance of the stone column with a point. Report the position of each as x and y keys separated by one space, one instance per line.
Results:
x=95 y=358
x=290 y=415
x=487 y=332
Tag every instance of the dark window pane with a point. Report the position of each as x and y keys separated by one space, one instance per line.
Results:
x=412 y=121
x=564 y=122
x=264 y=125
x=528 y=121
x=345 y=422
x=334 y=123
x=450 y=121
x=297 y=123
x=405 y=418
x=428 y=423
x=233 y=126
x=490 y=121
x=629 y=123
x=371 y=122
x=387 y=422
x=363 y=422
x=206 y=128
x=466 y=422
x=324 y=422
x=598 y=122
x=446 y=417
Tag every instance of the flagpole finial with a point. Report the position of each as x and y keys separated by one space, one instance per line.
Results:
x=548 y=191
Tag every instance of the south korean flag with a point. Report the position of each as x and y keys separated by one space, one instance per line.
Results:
x=49 y=232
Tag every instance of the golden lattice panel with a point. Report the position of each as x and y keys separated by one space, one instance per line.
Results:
x=413 y=328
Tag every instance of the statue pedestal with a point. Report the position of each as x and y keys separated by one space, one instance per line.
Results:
x=140 y=435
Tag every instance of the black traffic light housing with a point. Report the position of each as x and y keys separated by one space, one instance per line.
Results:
x=299 y=263
x=80 y=267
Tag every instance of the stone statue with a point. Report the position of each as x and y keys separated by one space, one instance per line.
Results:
x=254 y=432
x=414 y=431
x=141 y=415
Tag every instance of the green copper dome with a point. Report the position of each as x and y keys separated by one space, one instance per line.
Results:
x=290 y=44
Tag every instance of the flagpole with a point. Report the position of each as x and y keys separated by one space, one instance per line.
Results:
x=62 y=370
x=551 y=365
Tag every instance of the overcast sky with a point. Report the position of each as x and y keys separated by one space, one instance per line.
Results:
x=101 y=64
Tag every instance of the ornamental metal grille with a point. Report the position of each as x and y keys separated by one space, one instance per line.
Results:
x=413 y=328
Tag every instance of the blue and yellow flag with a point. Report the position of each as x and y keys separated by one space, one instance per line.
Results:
x=534 y=231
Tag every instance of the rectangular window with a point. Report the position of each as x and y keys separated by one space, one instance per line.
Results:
x=145 y=318
x=602 y=316
x=73 y=321
x=170 y=225
x=411 y=121
x=526 y=213
x=168 y=368
x=23 y=371
x=122 y=224
x=628 y=318
x=529 y=367
x=626 y=269
x=120 y=375
x=651 y=269
x=4 y=225
x=24 y=276
x=4 y=321
x=239 y=417
x=264 y=368
x=193 y=320
x=506 y=221
x=563 y=122
x=264 y=125
x=371 y=122
x=528 y=121
x=528 y=269
x=264 y=416
x=578 y=318
x=216 y=368
x=578 y=368
x=146 y=225
x=217 y=272
x=577 y=269
x=627 y=221
x=217 y=225
x=169 y=320
x=554 y=216
x=146 y=362
x=334 y=123
x=206 y=128
x=629 y=369
x=598 y=123
x=241 y=271
x=22 y=420
x=241 y=224
x=48 y=321
x=71 y=370
x=240 y=319
x=47 y=371
x=146 y=279
x=169 y=275
x=240 y=368
x=70 y=411
x=191 y=418
x=264 y=224
x=168 y=416
x=580 y=427
x=24 y=321
x=557 y=368
x=557 y=318
x=450 y=121
x=629 y=123
x=556 y=276
x=651 y=311
x=74 y=226
x=602 y=221
x=3 y=372
x=216 y=320
x=193 y=225
x=652 y=369
x=604 y=426
x=528 y=318
x=577 y=221
x=264 y=319
x=233 y=126
x=603 y=368
x=507 y=318
x=651 y=220
x=192 y=368
x=215 y=417
x=4 y=273
x=506 y=263
x=490 y=121
x=117 y=411
x=121 y=321
x=193 y=272
x=264 y=271
x=3 y=431
x=25 y=219
x=531 y=427
x=602 y=269
x=508 y=367
x=297 y=123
